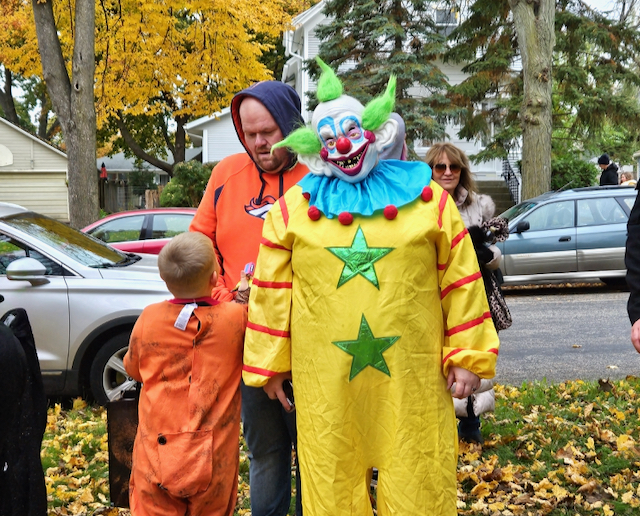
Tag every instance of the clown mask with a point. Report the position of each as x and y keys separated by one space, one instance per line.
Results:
x=348 y=152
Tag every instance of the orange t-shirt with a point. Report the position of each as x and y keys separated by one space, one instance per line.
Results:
x=232 y=213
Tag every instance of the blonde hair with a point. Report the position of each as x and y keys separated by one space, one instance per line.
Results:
x=186 y=262
x=626 y=176
x=456 y=157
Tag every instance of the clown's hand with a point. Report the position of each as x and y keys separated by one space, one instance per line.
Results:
x=274 y=389
x=466 y=382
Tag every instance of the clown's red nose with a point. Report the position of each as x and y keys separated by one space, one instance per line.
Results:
x=343 y=145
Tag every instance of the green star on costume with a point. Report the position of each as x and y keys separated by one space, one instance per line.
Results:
x=359 y=259
x=367 y=350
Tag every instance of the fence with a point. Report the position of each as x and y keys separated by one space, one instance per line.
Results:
x=116 y=196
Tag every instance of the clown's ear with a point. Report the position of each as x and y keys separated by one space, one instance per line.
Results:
x=386 y=134
x=315 y=164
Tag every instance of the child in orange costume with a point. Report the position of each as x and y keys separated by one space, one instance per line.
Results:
x=187 y=352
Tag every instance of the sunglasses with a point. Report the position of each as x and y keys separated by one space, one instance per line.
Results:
x=442 y=168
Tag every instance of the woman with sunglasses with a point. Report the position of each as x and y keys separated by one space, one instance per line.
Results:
x=451 y=170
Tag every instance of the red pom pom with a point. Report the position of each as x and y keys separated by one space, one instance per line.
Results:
x=427 y=194
x=391 y=212
x=314 y=213
x=345 y=218
x=306 y=195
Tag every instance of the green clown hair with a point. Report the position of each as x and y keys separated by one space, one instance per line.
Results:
x=329 y=86
x=302 y=141
x=378 y=110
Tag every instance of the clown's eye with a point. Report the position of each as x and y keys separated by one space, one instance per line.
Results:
x=330 y=143
x=354 y=133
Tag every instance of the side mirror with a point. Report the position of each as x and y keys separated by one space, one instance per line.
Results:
x=522 y=226
x=27 y=269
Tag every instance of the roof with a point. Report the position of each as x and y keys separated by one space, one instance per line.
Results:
x=34 y=138
x=120 y=163
x=196 y=126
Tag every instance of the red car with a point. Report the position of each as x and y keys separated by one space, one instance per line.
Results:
x=141 y=231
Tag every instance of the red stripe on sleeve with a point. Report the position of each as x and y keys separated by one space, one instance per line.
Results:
x=458 y=350
x=456 y=240
x=460 y=283
x=257 y=370
x=441 y=205
x=270 y=244
x=442 y=266
x=468 y=324
x=285 y=211
x=269 y=331
x=271 y=284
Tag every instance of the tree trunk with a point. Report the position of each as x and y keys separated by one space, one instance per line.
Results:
x=73 y=102
x=7 y=103
x=534 y=22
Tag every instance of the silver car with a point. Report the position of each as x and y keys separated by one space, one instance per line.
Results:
x=572 y=235
x=82 y=298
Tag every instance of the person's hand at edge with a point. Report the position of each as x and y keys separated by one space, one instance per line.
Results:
x=465 y=381
x=274 y=389
x=635 y=335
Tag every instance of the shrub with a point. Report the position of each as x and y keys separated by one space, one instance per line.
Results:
x=187 y=185
x=572 y=172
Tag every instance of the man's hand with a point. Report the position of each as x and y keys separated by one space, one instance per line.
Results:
x=466 y=382
x=274 y=389
x=635 y=335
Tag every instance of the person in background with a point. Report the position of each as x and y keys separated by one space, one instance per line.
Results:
x=241 y=191
x=187 y=353
x=609 y=174
x=452 y=171
x=626 y=179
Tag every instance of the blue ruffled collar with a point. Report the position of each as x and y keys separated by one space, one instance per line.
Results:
x=391 y=182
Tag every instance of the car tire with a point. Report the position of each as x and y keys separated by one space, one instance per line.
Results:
x=619 y=283
x=107 y=378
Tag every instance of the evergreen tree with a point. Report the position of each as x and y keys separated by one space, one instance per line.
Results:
x=594 y=79
x=376 y=38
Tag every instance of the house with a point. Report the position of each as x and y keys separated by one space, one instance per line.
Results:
x=217 y=134
x=119 y=166
x=33 y=173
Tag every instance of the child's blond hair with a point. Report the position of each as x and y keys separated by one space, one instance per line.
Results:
x=186 y=263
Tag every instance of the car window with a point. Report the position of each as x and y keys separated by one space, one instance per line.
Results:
x=555 y=215
x=11 y=250
x=124 y=229
x=599 y=211
x=64 y=239
x=516 y=210
x=629 y=201
x=167 y=225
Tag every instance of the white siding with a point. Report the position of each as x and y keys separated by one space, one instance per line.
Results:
x=220 y=139
x=42 y=192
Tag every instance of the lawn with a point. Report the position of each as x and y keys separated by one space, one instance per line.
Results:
x=565 y=449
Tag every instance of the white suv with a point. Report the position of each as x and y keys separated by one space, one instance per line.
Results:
x=82 y=298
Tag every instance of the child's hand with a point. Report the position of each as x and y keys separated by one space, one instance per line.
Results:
x=244 y=282
x=466 y=382
x=274 y=389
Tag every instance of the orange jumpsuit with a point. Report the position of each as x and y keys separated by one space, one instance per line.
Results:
x=185 y=456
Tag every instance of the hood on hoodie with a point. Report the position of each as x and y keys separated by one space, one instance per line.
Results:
x=280 y=99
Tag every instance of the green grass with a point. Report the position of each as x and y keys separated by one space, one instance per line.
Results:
x=564 y=449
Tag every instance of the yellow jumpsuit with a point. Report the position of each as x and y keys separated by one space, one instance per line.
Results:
x=369 y=317
x=185 y=455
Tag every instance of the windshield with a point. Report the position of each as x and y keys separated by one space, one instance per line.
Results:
x=73 y=243
x=518 y=209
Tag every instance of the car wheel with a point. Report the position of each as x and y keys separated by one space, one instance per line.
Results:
x=107 y=378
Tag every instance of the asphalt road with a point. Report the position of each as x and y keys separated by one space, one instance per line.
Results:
x=563 y=334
